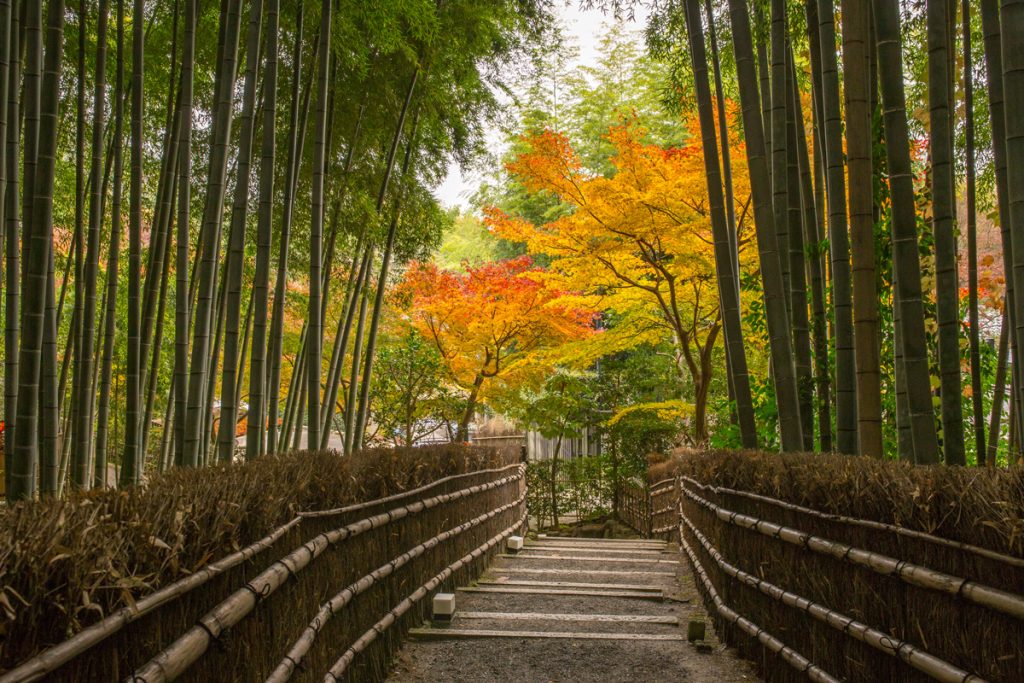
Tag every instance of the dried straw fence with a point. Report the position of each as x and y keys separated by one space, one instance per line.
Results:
x=323 y=588
x=836 y=568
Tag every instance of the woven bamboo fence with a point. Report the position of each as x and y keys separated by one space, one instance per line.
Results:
x=810 y=592
x=663 y=496
x=266 y=610
x=635 y=505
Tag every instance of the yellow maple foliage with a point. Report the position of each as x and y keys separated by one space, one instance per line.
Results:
x=637 y=243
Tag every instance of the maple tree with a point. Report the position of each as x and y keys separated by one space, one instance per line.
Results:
x=500 y=320
x=637 y=243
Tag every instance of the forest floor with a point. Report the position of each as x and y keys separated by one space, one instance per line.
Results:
x=637 y=578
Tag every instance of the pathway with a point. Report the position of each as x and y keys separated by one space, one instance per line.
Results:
x=568 y=610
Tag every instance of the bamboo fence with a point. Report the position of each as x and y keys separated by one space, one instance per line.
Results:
x=635 y=505
x=280 y=579
x=844 y=597
x=663 y=498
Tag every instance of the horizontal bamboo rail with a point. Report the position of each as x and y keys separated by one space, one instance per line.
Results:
x=866 y=523
x=979 y=594
x=173 y=660
x=293 y=659
x=60 y=654
x=921 y=660
x=773 y=644
x=406 y=494
x=339 y=667
x=661 y=511
x=661 y=492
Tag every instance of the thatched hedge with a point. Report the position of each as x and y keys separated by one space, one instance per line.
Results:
x=871 y=570
x=65 y=565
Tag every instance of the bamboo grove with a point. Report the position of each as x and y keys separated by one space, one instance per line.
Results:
x=206 y=208
x=179 y=178
x=836 y=172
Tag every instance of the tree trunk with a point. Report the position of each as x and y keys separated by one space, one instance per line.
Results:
x=856 y=37
x=236 y=240
x=353 y=292
x=131 y=462
x=382 y=278
x=947 y=290
x=26 y=446
x=255 y=443
x=978 y=410
x=1012 y=23
x=181 y=299
x=462 y=436
x=998 y=395
x=351 y=408
x=82 y=424
x=212 y=222
x=724 y=245
x=12 y=253
x=771 y=270
x=100 y=470
x=797 y=259
x=296 y=134
x=5 y=60
x=839 y=243
x=906 y=263
x=314 y=334
x=778 y=141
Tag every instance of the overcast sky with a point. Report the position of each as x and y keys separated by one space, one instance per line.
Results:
x=582 y=28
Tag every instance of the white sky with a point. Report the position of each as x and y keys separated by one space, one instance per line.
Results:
x=581 y=28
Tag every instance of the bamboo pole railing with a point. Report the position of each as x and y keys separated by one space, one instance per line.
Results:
x=338 y=669
x=659 y=523
x=913 y=574
x=54 y=657
x=916 y=657
x=770 y=642
x=173 y=660
x=298 y=651
x=865 y=523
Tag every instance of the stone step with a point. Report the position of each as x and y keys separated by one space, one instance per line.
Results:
x=579 y=592
x=550 y=616
x=584 y=558
x=452 y=633
x=505 y=581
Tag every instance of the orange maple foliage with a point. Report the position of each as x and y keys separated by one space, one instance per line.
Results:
x=496 y=320
x=638 y=243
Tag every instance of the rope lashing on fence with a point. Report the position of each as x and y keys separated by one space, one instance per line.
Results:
x=338 y=669
x=924 y=662
x=51 y=659
x=788 y=654
x=986 y=596
x=866 y=523
x=173 y=660
x=299 y=649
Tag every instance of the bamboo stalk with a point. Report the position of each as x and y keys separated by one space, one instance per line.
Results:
x=913 y=574
x=175 y=659
x=867 y=523
x=338 y=670
x=924 y=662
x=299 y=649
x=53 y=658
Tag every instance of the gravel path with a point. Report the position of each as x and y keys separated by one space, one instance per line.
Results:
x=444 y=658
